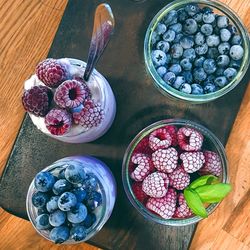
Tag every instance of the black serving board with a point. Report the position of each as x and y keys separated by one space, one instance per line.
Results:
x=138 y=104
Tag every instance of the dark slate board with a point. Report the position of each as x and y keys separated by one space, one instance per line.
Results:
x=138 y=105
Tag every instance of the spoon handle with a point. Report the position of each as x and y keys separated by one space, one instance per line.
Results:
x=103 y=28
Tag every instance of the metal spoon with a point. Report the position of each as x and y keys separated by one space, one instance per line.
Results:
x=103 y=28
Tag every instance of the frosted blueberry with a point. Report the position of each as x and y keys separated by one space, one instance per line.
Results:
x=188 y=76
x=161 y=28
x=224 y=48
x=232 y=29
x=209 y=88
x=207 y=9
x=57 y=218
x=161 y=71
x=199 y=38
x=207 y=29
x=169 y=36
x=201 y=49
x=163 y=45
x=223 y=61
x=222 y=21
x=192 y=9
x=154 y=38
x=182 y=15
x=197 y=89
x=190 y=26
x=213 y=41
x=225 y=35
x=235 y=64
x=230 y=73
x=158 y=57
x=213 y=53
x=59 y=234
x=175 y=68
x=221 y=81
x=220 y=72
x=42 y=222
x=178 y=82
x=169 y=78
x=52 y=204
x=199 y=62
x=186 y=64
x=208 y=17
x=198 y=17
x=187 y=42
x=186 y=88
x=236 y=52
x=236 y=40
x=209 y=66
x=176 y=50
x=168 y=58
x=177 y=27
x=199 y=74
x=171 y=16
x=178 y=38
x=190 y=54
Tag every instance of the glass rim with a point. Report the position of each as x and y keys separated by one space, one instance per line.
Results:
x=172 y=92
x=126 y=178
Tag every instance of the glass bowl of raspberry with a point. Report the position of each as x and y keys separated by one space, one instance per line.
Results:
x=196 y=51
x=64 y=106
x=166 y=162
x=70 y=201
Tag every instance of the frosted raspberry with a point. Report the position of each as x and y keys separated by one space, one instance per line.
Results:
x=139 y=194
x=51 y=72
x=172 y=130
x=159 y=139
x=189 y=139
x=212 y=164
x=144 y=166
x=85 y=86
x=155 y=184
x=182 y=210
x=192 y=161
x=179 y=179
x=58 y=121
x=143 y=147
x=165 y=160
x=90 y=116
x=37 y=100
x=70 y=94
x=165 y=206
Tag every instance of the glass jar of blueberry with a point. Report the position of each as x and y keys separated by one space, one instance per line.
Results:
x=196 y=51
x=70 y=200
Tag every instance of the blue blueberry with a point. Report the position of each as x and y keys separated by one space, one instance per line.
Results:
x=190 y=26
x=154 y=38
x=177 y=27
x=212 y=53
x=225 y=35
x=42 y=222
x=42 y=210
x=199 y=38
x=161 y=28
x=59 y=234
x=44 y=181
x=158 y=57
x=210 y=78
x=236 y=40
x=90 y=183
x=186 y=88
x=39 y=199
x=232 y=29
x=170 y=17
x=208 y=17
x=80 y=194
x=224 y=48
x=198 y=17
x=176 y=50
x=201 y=49
x=222 y=22
x=207 y=29
x=61 y=174
x=186 y=64
x=161 y=71
x=169 y=36
x=57 y=218
x=236 y=52
x=199 y=74
x=209 y=66
x=220 y=72
x=221 y=81
x=94 y=200
x=187 y=42
x=178 y=82
x=67 y=201
x=192 y=9
x=199 y=61
x=230 y=73
x=209 y=88
x=206 y=9
x=196 y=89
x=75 y=174
x=235 y=64
x=178 y=38
x=78 y=214
x=190 y=54
x=213 y=40
x=78 y=233
x=223 y=61
x=169 y=78
x=175 y=68
x=188 y=76
x=52 y=204
x=163 y=45
x=182 y=15
x=89 y=220
x=61 y=186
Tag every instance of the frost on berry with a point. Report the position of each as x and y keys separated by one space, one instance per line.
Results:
x=192 y=161
x=165 y=160
x=179 y=179
x=182 y=209
x=155 y=184
x=172 y=130
x=159 y=139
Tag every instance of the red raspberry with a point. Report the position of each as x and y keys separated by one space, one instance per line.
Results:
x=37 y=100
x=155 y=184
x=143 y=168
x=159 y=139
x=142 y=147
x=165 y=206
x=58 y=121
x=165 y=160
x=212 y=164
x=51 y=72
x=90 y=116
x=189 y=139
x=85 y=86
x=172 y=130
x=192 y=161
x=139 y=194
x=182 y=210
x=179 y=179
x=70 y=94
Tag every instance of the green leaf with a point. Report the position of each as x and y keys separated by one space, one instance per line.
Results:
x=213 y=193
x=203 y=180
x=194 y=202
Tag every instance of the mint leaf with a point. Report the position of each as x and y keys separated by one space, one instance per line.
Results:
x=213 y=193
x=203 y=180
x=194 y=202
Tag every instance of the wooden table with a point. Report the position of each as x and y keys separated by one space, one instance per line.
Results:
x=27 y=30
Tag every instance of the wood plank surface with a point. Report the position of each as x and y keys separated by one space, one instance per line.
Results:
x=27 y=30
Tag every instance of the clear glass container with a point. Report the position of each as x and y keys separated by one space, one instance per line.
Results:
x=211 y=142
x=219 y=8
x=107 y=188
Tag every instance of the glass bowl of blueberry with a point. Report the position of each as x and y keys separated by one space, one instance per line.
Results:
x=175 y=172
x=197 y=50
x=69 y=201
